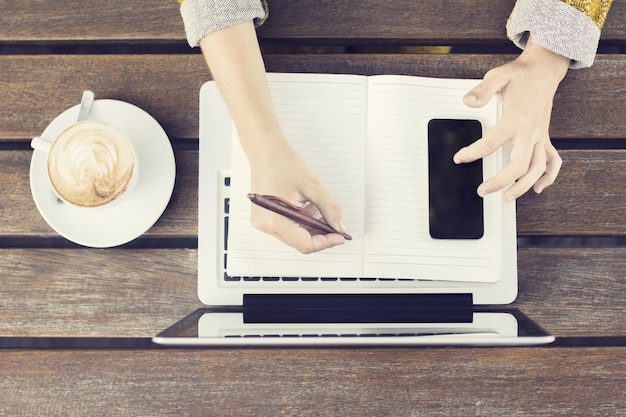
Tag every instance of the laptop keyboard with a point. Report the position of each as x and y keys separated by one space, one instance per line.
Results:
x=308 y=335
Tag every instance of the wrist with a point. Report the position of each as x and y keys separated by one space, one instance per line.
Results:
x=264 y=145
x=555 y=63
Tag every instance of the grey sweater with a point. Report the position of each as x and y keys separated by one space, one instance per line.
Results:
x=556 y=25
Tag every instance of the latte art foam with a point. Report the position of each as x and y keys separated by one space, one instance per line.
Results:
x=91 y=164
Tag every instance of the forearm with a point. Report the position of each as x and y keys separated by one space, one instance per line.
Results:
x=234 y=58
x=202 y=17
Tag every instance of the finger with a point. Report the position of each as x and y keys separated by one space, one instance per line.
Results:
x=322 y=242
x=492 y=83
x=328 y=207
x=536 y=169
x=292 y=233
x=489 y=143
x=312 y=210
x=301 y=239
x=553 y=166
x=521 y=154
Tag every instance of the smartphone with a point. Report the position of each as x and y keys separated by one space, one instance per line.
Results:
x=455 y=209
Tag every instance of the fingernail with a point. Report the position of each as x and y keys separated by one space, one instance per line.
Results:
x=471 y=98
x=342 y=227
x=456 y=160
x=482 y=191
x=509 y=198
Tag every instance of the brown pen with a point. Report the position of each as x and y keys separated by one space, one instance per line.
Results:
x=292 y=212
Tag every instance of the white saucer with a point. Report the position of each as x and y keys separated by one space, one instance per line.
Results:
x=133 y=215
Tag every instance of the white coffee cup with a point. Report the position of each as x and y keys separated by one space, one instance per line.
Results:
x=90 y=164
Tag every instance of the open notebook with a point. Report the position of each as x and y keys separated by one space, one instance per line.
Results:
x=356 y=301
x=366 y=138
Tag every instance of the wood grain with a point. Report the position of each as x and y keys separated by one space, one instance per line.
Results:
x=310 y=382
x=47 y=21
x=588 y=199
x=111 y=292
x=310 y=20
x=404 y=20
x=137 y=293
x=20 y=217
x=36 y=88
x=574 y=291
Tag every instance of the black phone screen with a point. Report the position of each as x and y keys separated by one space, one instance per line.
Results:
x=455 y=209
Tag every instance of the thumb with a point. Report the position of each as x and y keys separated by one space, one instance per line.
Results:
x=328 y=207
x=491 y=84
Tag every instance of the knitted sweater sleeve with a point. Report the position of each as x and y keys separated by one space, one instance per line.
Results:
x=202 y=17
x=568 y=27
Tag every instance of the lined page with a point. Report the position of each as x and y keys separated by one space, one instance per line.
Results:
x=324 y=117
x=398 y=243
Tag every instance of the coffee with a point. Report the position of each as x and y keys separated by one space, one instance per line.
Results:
x=90 y=164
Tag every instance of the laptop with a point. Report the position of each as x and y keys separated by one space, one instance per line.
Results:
x=332 y=311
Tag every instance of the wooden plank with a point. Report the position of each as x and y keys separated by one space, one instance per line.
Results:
x=574 y=291
x=36 y=88
x=137 y=293
x=316 y=382
x=315 y=21
x=593 y=177
x=109 y=292
x=410 y=21
x=20 y=217
x=407 y=20
x=113 y=20
x=588 y=198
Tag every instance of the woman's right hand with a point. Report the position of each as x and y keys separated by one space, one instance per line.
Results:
x=280 y=171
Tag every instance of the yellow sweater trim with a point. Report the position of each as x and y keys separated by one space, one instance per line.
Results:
x=596 y=10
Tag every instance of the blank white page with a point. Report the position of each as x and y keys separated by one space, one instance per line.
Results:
x=398 y=243
x=324 y=118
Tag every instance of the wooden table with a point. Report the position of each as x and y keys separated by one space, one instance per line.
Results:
x=76 y=322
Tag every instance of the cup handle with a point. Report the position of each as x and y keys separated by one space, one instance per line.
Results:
x=40 y=144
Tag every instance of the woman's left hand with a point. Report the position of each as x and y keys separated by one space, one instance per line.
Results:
x=526 y=88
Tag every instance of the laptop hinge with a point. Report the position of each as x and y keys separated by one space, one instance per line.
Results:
x=358 y=308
